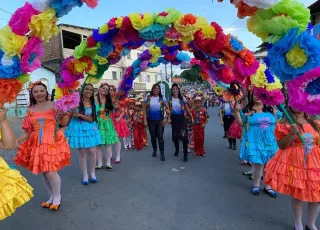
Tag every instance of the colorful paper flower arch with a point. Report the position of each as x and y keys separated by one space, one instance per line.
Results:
x=293 y=51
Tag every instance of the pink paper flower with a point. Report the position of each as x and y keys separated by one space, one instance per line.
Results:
x=91 y=3
x=68 y=102
x=30 y=54
x=272 y=98
x=144 y=65
x=304 y=92
x=19 y=21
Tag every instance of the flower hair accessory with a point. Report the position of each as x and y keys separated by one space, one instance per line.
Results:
x=32 y=84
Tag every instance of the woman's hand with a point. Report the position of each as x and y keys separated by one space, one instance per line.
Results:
x=164 y=121
x=222 y=123
x=294 y=129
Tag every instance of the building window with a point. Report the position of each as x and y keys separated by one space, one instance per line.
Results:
x=140 y=78
x=148 y=78
x=140 y=86
x=120 y=75
x=84 y=37
x=114 y=75
x=70 y=39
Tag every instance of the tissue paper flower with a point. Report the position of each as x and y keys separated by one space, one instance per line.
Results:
x=68 y=102
x=91 y=3
x=140 y=21
x=44 y=25
x=9 y=90
x=272 y=24
x=11 y=43
x=293 y=56
x=41 y=5
x=168 y=17
x=272 y=98
x=63 y=7
x=9 y=66
x=20 y=19
x=30 y=54
x=153 y=32
x=265 y=4
x=304 y=92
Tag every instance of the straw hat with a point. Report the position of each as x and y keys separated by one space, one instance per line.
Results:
x=138 y=103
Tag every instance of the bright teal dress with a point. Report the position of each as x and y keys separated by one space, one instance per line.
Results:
x=83 y=134
x=259 y=143
x=107 y=131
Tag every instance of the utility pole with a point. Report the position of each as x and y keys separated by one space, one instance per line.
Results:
x=170 y=77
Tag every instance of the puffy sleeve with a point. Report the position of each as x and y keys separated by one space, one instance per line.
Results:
x=26 y=125
x=281 y=131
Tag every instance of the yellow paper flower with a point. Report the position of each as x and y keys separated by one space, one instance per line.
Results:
x=139 y=22
x=170 y=42
x=208 y=31
x=119 y=22
x=103 y=29
x=102 y=60
x=259 y=79
x=218 y=90
x=273 y=86
x=297 y=57
x=24 y=78
x=93 y=70
x=80 y=67
x=11 y=43
x=58 y=93
x=155 y=52
x=44 y=25
x=92 y=80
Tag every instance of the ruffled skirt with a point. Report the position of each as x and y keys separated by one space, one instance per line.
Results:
x=14 y=190
x=108 y=133
x=235 y=131
x=122 y=128
x=83 y=134
x=44 y=154
x=287 y=173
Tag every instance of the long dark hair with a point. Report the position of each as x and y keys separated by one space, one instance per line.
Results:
x=155 y=85
x=33 y=101
x=108 y=105
x=310 y=119
x=249 y=107
x=179 y=92
x=93 y=105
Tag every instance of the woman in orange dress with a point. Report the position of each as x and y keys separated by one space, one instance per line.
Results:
x=42 y=148
x=294 y=170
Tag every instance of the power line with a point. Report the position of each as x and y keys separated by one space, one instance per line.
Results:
x=5 y=11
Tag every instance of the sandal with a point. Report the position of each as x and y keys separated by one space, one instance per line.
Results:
x=255 y=190
x=247 y=173
x=45 y=205
x=98 y=167
x=270 y=192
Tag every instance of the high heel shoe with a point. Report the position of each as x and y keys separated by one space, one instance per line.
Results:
x=55 y=207
x=45 y=204
x=84 y=182
x=93 y=180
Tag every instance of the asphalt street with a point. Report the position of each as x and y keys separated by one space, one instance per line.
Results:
x=143 y=193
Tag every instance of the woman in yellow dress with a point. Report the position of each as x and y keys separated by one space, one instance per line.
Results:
x=14 y=189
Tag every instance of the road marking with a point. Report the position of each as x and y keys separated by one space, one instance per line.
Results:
x=175 y=170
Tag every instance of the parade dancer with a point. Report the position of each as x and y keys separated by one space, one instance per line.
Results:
x=118 y=122
x=156 y=118
x=201 y=118
x=294 y=170
x=83 y=133
x=107 y=131
x=14 y=188
x=138 y=127
x=130 y=112
x=259 y=142
x=190 y=124
x=178 y=106
x=42 y=148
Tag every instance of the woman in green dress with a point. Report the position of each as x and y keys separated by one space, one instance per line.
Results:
x=108 y=134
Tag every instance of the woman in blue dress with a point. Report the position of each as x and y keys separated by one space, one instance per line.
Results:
x=259 y=143
x=83 y=133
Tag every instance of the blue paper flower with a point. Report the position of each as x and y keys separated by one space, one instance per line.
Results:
x=270 y=77
x=136 y=63
x=105 y=49
x=162 y=60
x=236 y=44
x=153 y=32
x=106 y=37
x=124 y=52
x=294 y=55
x=10 y=71
x=63 y=7
x=182 y=56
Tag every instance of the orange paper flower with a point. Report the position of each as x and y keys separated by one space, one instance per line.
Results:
x=9 y=90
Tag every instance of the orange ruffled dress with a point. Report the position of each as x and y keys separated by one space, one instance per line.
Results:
x=288 y=172
x=41 y=152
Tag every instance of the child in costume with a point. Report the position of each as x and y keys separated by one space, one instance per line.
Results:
x=43 y=148
x=294 y=170
x=108 y=133
x=83 y=133
x=14 y=188
x=201 y=118
x=190 y=124
x=138 y=127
